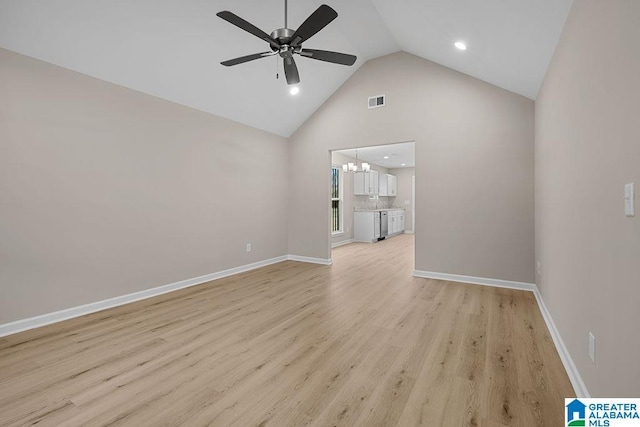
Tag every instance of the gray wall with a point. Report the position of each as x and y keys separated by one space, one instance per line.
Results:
x=587 y=148
x=403 y=195
x=474 y=165
x=107 y=191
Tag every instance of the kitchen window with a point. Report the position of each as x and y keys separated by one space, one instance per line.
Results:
x=336 y=200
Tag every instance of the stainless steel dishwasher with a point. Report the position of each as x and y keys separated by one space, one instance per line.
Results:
x=384 y=224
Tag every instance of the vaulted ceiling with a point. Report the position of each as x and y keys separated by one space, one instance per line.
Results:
x=172 y=48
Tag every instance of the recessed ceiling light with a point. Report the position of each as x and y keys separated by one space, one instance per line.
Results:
x=460 y=45
x=386 y=157
x=294 y=90
x=404 y=164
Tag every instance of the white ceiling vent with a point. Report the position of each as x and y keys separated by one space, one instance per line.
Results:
x=376 y=101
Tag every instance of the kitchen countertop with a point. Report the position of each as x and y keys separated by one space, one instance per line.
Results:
x=379 y=210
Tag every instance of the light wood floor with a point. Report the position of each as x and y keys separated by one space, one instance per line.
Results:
x=358 y=343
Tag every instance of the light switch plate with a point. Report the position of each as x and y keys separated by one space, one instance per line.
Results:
x=592 y=347
x=629 y=200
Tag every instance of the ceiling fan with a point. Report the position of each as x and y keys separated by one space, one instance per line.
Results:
x=287 y=42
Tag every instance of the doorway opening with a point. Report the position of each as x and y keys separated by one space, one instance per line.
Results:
x=372 y=193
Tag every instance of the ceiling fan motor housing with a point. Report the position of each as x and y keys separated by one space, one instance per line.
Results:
x=282 y=35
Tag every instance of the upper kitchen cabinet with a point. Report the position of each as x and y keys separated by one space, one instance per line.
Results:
x=365 y=183
x=375 y=184
x=388 y=185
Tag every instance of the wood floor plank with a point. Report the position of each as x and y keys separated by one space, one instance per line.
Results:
x=360 y=342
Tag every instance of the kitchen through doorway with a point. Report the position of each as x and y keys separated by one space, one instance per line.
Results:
x=372 y=193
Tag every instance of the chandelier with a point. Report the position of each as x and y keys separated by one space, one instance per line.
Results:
x=353 y=167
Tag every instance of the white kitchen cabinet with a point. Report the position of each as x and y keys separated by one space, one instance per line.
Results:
x=395 y=219
x=392 y=185
x=382 y=184
x=374 y=182
x=365 y=183
x=366 y=226
x=360 y=183
x=387 y=185
x=391 y=218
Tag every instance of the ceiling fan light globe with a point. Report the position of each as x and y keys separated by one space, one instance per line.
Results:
x=460 y=45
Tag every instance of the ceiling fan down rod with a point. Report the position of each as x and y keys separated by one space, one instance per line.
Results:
x=285 y=13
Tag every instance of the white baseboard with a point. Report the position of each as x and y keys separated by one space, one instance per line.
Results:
x=342 y=243
x=69 y=313
x=323 y=261
x=408 y=231
x=572 y=371
x=475 y=280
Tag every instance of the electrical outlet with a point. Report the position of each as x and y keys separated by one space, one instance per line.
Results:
x=592 y=347
x=539 y=267
x=248 y=247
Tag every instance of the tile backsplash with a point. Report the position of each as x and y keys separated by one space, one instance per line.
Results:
x=365 y=203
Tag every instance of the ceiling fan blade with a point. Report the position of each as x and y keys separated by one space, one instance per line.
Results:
x=248 y=27
x=243 y=59
x=314 y=23
x=291 y=71
x=329 y=56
